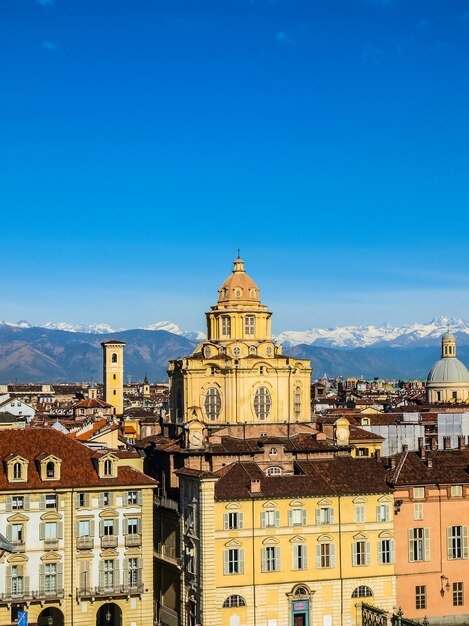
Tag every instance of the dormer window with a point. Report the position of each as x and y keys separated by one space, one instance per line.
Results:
x=17 y=468
x=50 y=469
x=17 y=471
x=108 y=467
x=273 y=451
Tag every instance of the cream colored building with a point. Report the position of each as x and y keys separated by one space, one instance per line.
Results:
x=239 y=375
x=448 y=380
x=113 y=374
x=81 y=523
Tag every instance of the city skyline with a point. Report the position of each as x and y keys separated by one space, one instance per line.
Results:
x=142 y=147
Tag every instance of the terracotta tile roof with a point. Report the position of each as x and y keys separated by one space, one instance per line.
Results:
x=92 y=404
x=360 y=434
x=447 y=467
x=78 y=467
x=318 y=478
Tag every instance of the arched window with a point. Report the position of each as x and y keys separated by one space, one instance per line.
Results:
x=362 y=592
x=212 y=403
x=108 y=467
x=249 y=325
x=252 y=349
x=50 y=469
x=301 y=591
x=262 y=403
x=17 y=470
x=114 y=357
x=273 y=471
x=297 y=401
x=226 y=326
x=234 y=601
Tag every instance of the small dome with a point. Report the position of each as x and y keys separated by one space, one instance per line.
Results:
x=448 y=371
x=448 y=336
x=238 y=287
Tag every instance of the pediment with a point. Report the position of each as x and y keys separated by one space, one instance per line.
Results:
x=297 y=539
x=107 y=513
x=385 y=499
x=17 y=518
x=360 y=537
x=386 y=534
x=296 y=503
x=269 y=505
x=233 y=544
x=50 y=557
x=325 y=538
x=109 y=554
x=324 y=502
x=359 y=500
x=233 y=506
x=270 y=541
x=17 y=559
x=51 y=516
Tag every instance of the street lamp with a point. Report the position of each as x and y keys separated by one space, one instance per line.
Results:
x=108 y=615
x=443 y=586
x=50 y=620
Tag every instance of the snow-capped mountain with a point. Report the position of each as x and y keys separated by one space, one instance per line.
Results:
x=415 y=334
x=385 y=335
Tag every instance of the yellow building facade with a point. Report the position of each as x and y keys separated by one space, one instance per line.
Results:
x=113 y=374
x=239 y=375
x=81 y=524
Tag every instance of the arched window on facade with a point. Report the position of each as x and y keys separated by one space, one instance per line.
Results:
x=114 y=357
x=234 y=601
x=297 y=406
x=273 y=471
x=362 y=592
x=262 y=403
x=108 y=467
x=17 y=470
x=212 y=403
x=226 y=326
x=50 y=469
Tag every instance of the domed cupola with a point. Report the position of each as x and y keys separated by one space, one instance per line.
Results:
x=238 y=288
x=448 y=380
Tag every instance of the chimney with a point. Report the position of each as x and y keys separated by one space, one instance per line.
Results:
x=446 y=443
x=461 y=442
x=405 y=447
x=422 y=451
x=421 y=442
x=434 y=443
x=429 y=463
x=393 y=462
x=255 y=486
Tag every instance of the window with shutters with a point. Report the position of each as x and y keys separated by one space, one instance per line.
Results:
x=226 y=326
x=108 y=573
x=458 y=594
x=420 y=597
x=360 y=553
x=359 y=513
x=262 y=403
x=297 y=517
x=457 y=542
x=249 y=325
x=106 y=498
x=382 y=513
x=51 y=501
x=17 y=503
x=212 y=403
x=297 y=403
x=234 y=561
x=132 y=498
x=271 y=559
x=50 y=530
x=233 y=521
x=50 y=578
x=419 y=544
x=84 y=528
x=325 y=555
x=17 y=533
x=300 y=556
x=108 y=527
x=17 y=580
x=386 y=551
x=418 y=510
x=82 y=500
x=325 y=515
x=132 y=526
x=270 y=519
x=418 y=493
x=133 y=573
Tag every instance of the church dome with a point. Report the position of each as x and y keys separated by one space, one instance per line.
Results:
x=238 y=287
x=448 y=371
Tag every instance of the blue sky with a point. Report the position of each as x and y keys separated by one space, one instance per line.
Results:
x=142 y=142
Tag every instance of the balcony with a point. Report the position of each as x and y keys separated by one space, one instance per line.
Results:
x=51 y=544
x=18 y=544
x=168 y=554
x=85 y=543
x=133 y=540
x=109 y=541
x=26 y=595
x=110 y=592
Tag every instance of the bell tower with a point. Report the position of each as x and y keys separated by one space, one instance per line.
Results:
x=113 y=374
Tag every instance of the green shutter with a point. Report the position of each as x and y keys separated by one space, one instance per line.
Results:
x=8 y=581
x=378 y=513
x=101 y=574
x=226 y=523
x=380 y=552
x=42 y=531
x=139 y=498
x=139 y=525
x=8 y=507
x=241 y=561
x=126 y=572
x=303 y=517
x=60 y=576
x=125 y=498
x=42 y=502
x=410 y=535
x=367 y=553
x=77 y=500
x=26 y=584
x=240 y=521
x=464 y=543
x=140 y=571
x=331 y=510
x=332 y=554
x=101 y=528
x=116 y=526
x=318 y=555
x=60 y=530
x=92 y=528
x=26 y=503
x=290 y=518
x=277 y=519
x=392 y=549
x=226 y=560
x=264 y=559
x=305 y=556
x=354 y=553
x=263 y=519
x=9 y=532
x=100 y=500
x=318 y=516
x=427 y=543
x=277 y=558
x=449 y=547
x=41 y=577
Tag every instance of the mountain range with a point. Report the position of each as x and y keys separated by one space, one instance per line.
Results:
x=60 y=352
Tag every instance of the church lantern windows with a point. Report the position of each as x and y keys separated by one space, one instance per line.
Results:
x=249 y=325
x=212 y=403
x=114 y=357
x=226 y=326
x=262 y=403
